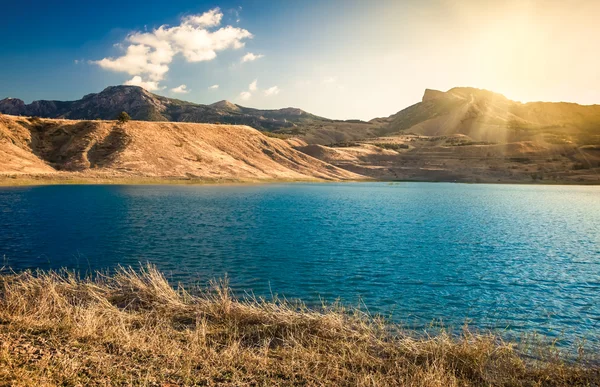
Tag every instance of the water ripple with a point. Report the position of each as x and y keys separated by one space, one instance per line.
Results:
x=522 y=257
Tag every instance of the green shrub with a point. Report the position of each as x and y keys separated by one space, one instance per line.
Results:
x=123 y=117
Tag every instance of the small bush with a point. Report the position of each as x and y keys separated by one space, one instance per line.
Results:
x=123 y=117
x=522 y=160
x=276 y=135
x=344 y=144
x=579 y=166
x=392 y=146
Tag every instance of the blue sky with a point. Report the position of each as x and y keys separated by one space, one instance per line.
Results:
x=335 y=58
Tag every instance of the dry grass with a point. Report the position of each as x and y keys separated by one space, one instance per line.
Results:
x=133 y=328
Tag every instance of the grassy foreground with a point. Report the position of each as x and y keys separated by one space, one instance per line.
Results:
x=133 y=328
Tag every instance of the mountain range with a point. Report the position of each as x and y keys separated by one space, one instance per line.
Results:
x=463 y=134
x=479 y=114
x=142 y=105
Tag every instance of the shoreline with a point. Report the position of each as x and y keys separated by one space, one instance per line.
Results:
x=59 y=329
x=46 y=180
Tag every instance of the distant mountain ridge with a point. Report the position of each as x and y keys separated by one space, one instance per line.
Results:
x=481 y=115
x=145 y=106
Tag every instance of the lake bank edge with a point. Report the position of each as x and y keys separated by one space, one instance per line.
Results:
x=59 y=328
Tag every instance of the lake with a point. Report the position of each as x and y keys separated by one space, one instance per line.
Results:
x=520 y=258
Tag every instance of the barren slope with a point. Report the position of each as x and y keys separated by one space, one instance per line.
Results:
x=486 y=116
x=458 y=158
x=154 y=149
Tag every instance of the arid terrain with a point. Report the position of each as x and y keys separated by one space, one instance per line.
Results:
x=443 y=158
x=64 y=149
x=473 y=135
x=463 y=135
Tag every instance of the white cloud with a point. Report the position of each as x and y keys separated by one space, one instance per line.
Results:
x=250 y=57
x=148 y=85
x=181 y=89
x=329 y=80
x=253 y=85
x=245 y=95
x=148 y=54
x=211 y=18
x=213 y=87
x=272 y=91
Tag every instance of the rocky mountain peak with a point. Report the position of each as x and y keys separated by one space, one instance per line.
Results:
x=226 y=105
x=292 y=111
x=124 y=89
x=12 y=106
x=431 y=94
x=472 y=92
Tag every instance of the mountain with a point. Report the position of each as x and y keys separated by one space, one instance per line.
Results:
x=480 y=115
x=145 y=106
x=483 y=115
x=93 y=149
x=463 y=134
x=473 y=135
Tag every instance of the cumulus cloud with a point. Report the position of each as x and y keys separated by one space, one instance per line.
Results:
x=211 y=18
x=253 y=85
x=148 y=54
x=181 y=89
x=213 y=87
x=245 y=95
x=148 y=85
x=329 y=80
x=250 y=57
x=272 y=91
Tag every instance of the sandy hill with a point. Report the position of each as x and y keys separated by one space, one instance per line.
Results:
x=159 y=149
x=483 y=115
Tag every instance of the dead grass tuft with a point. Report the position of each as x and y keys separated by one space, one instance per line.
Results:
x=133 y=328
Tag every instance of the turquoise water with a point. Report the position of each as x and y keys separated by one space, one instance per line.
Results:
x=520 y=258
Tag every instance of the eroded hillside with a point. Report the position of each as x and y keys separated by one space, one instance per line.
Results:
x=483 y=115
x=459 y=158
x=473 y=135
x=31 y=146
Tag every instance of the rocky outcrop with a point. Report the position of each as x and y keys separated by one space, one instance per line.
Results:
x=12 y=106
x=432 y=94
